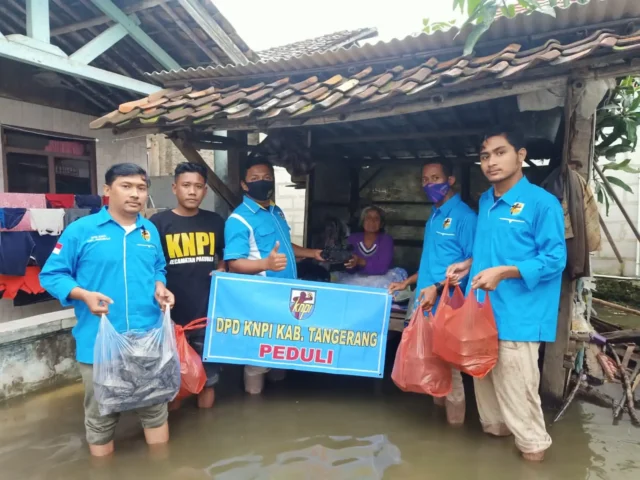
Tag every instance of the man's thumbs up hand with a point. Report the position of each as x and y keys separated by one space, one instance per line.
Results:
x=276 y=262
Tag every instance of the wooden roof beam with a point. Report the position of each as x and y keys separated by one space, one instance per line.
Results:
x=215 y=31
x=392 y=137
x=190 y=33
x=145 y=41
x=93 y=22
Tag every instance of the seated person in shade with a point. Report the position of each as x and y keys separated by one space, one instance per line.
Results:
x=373 y=249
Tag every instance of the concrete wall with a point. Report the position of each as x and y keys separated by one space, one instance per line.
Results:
x=36 y=353
x=108 y=152
x=605 y=262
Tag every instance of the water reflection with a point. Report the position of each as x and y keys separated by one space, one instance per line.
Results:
x=346 y=458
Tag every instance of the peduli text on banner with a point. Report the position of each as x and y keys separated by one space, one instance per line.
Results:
x=299 y=325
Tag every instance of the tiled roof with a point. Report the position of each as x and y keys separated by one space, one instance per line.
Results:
x=533 y=29
x=366 y=89
x=317 y=44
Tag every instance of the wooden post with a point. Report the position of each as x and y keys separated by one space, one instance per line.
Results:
x=554 y=376
x=552 y=385
x=236 y=158
x=192 y=155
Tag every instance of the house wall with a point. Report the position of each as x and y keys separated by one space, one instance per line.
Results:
x=108 y=152
x=293 y=204
x=605 y=262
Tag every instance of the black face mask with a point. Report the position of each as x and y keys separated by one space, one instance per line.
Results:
x=261 y=190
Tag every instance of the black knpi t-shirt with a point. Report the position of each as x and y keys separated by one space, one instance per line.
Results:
x=192 y=247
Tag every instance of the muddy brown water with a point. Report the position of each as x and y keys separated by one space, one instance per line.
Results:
x=312 y=427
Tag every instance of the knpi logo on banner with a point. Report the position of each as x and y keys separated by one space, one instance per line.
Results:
x=293 y=324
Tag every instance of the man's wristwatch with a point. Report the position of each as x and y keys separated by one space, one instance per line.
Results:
x=439 y=288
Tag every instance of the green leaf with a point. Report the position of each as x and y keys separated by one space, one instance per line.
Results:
x=425 y=22
x=606 y=203
x=630 y=170
x=472 y=5
x=611 y=152
x=458 y=4
x=619 y=183
x=632 y=132
x=616 y=166
x=473 y=37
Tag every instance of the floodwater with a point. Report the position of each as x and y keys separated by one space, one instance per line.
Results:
x=308 y=427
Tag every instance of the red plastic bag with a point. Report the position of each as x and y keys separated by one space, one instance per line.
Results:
x=416 y=368
x=465 y=333
x=192 y=374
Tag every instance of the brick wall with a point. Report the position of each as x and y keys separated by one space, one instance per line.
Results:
x=293 y=203
x=108 y=152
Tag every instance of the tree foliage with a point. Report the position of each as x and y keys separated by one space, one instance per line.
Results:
x=617 y=118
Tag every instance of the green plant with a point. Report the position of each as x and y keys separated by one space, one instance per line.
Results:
x=617 y=122
x=482 y=13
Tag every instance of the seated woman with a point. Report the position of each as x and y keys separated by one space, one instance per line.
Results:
x=373 y=249
x=371 y=264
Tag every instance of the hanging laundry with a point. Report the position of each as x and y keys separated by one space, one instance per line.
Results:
x=73 y=214
x=23 y=200
x=60 y=200
x=29 y=283
x=11 y=217
x=47 y=221
x=92 y=202
x=43 y=246
x=15 y=252
x=2 y=218
x=16 y=220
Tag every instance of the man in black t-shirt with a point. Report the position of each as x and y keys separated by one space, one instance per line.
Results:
x=193 y=243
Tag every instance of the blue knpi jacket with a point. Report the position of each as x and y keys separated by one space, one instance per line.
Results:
x=94 y=253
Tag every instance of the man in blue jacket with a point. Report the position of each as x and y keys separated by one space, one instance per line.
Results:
x=518 y=255
x=448 y=238
x=112 y=263
x=257 y=241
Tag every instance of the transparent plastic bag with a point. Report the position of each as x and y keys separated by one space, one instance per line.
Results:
x=416 y=369
x=135 y=369
x=192 y=374
x=465 y=332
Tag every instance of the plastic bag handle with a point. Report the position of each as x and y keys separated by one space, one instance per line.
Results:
x=417 y=312
x=196 y=324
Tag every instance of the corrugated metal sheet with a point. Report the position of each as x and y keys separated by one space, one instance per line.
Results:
x=445 y=44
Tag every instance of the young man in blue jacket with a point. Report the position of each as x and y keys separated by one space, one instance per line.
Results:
x=448 y=238
x=112 y=263
x=518 y=256
x=258 y=239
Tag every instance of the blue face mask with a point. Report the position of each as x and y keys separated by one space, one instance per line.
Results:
x=436 y=191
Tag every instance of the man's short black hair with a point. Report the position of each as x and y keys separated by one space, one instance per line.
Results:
x=514 y=137
x=188 y=167
x=124 y=170
x=447 y=168
x=252 y=162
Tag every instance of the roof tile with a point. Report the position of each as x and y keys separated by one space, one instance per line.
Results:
x=368 y=88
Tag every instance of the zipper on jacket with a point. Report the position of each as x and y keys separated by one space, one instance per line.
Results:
x=126 y=288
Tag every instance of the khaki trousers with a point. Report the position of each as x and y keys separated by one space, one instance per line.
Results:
x=508 y=399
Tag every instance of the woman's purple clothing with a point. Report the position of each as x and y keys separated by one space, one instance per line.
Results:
x=379 y=256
